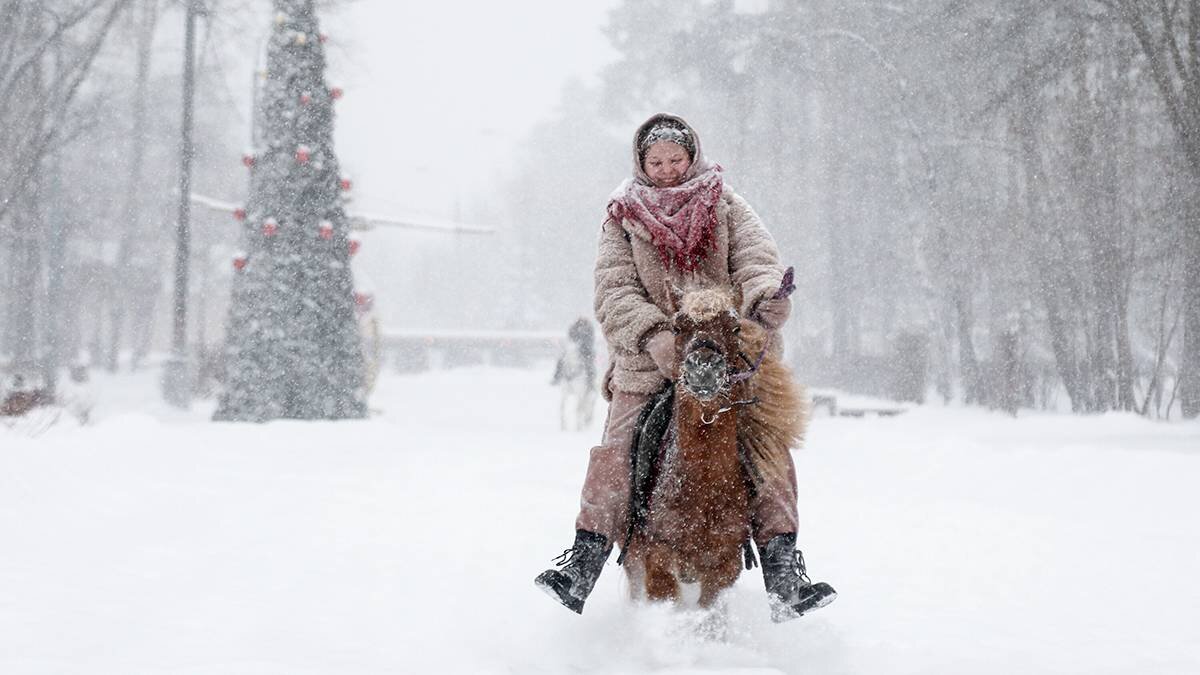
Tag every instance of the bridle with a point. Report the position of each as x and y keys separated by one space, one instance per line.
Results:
x=786 y=287
x=740 y=376
x=726 y=381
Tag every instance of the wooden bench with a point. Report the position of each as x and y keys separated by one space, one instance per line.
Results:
x=863 y=412
x=826 y=401
x=829 y=402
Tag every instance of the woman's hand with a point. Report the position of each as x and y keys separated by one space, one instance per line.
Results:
x=772 y=312
x=661 y=348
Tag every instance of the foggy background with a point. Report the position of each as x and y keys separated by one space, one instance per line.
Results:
x=985 y=202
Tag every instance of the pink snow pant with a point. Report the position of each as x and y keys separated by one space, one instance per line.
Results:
x=604 y=504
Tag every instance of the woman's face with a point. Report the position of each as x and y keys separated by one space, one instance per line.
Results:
x=665 y=163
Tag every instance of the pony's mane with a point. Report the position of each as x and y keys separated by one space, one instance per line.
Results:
x=703 y=304
x=771 y=428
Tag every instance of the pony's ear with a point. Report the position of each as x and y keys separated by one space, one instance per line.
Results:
x=674 y=296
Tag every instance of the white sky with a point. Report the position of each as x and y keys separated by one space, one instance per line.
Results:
x=438 y=94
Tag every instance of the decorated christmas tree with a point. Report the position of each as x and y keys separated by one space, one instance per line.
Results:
x=292 y=346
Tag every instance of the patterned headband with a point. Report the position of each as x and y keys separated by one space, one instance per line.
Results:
x=666 y=131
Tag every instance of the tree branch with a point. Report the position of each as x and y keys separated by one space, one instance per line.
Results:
x=56 y=103
x=1160 y=71
x=1168 y=19
x=39 y=50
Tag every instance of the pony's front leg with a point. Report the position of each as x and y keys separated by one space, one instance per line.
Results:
x=661 y=583
x=716 y=579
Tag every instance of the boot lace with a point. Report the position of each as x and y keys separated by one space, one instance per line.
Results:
x=566 y=559
x=801 y=568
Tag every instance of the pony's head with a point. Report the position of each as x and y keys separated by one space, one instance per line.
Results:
x=706 y=326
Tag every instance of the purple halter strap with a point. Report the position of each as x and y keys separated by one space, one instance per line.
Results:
x=786 y=288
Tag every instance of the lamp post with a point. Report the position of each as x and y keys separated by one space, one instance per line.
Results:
x=177 y=381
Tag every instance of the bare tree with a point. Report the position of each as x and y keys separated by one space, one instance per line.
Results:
x=47 y=50
x=56 y=44
x=1168 y=34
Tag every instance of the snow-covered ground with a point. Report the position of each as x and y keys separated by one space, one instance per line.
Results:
x=960 y=541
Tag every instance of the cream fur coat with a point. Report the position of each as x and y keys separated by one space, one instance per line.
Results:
x=631 y=282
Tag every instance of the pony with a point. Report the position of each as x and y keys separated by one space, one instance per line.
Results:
x=696 y=525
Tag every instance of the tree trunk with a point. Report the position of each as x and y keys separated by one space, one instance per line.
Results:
x=1189 y=396
x=973 y=389
x=26 y=289
x=1126 y=399
x=1060 y=344
x=55 y=246
x=1102 y=364
x=844 y=348
x=1057 y=325
x=1008 y=389
x=1175 y=72
x=131 y=225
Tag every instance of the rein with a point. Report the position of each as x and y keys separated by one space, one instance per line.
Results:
x=748 y=373
x=740 y=377
x=725 y=409
x=786 y=287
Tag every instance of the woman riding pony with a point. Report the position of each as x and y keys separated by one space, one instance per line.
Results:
x=676 y=224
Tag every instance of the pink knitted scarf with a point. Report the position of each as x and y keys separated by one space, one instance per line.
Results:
x=681 y=220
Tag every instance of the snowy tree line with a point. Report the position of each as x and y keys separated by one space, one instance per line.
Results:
x=992 y=200
x=88 y=180
x=996 y=200
x=88 y=187
x=46 y=58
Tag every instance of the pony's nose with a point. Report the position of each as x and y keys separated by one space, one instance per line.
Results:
x=704 y=373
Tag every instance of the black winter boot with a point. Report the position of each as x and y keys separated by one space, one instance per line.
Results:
x=581 y=565
x=789 y=589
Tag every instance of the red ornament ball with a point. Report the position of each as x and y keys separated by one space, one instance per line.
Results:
x=363 y=300
x=248 y=160
x=305 y=98
x=325 y=230
x=344 y=183
x=323 y=38
x=354 y=245
x=239 y=213
x=303 y=154
x=270 y=227
x=336 y=93
x=239 y=262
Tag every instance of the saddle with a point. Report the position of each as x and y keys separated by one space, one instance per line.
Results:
x=645 y=455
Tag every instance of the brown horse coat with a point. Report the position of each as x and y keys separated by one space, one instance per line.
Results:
x=702 y=508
